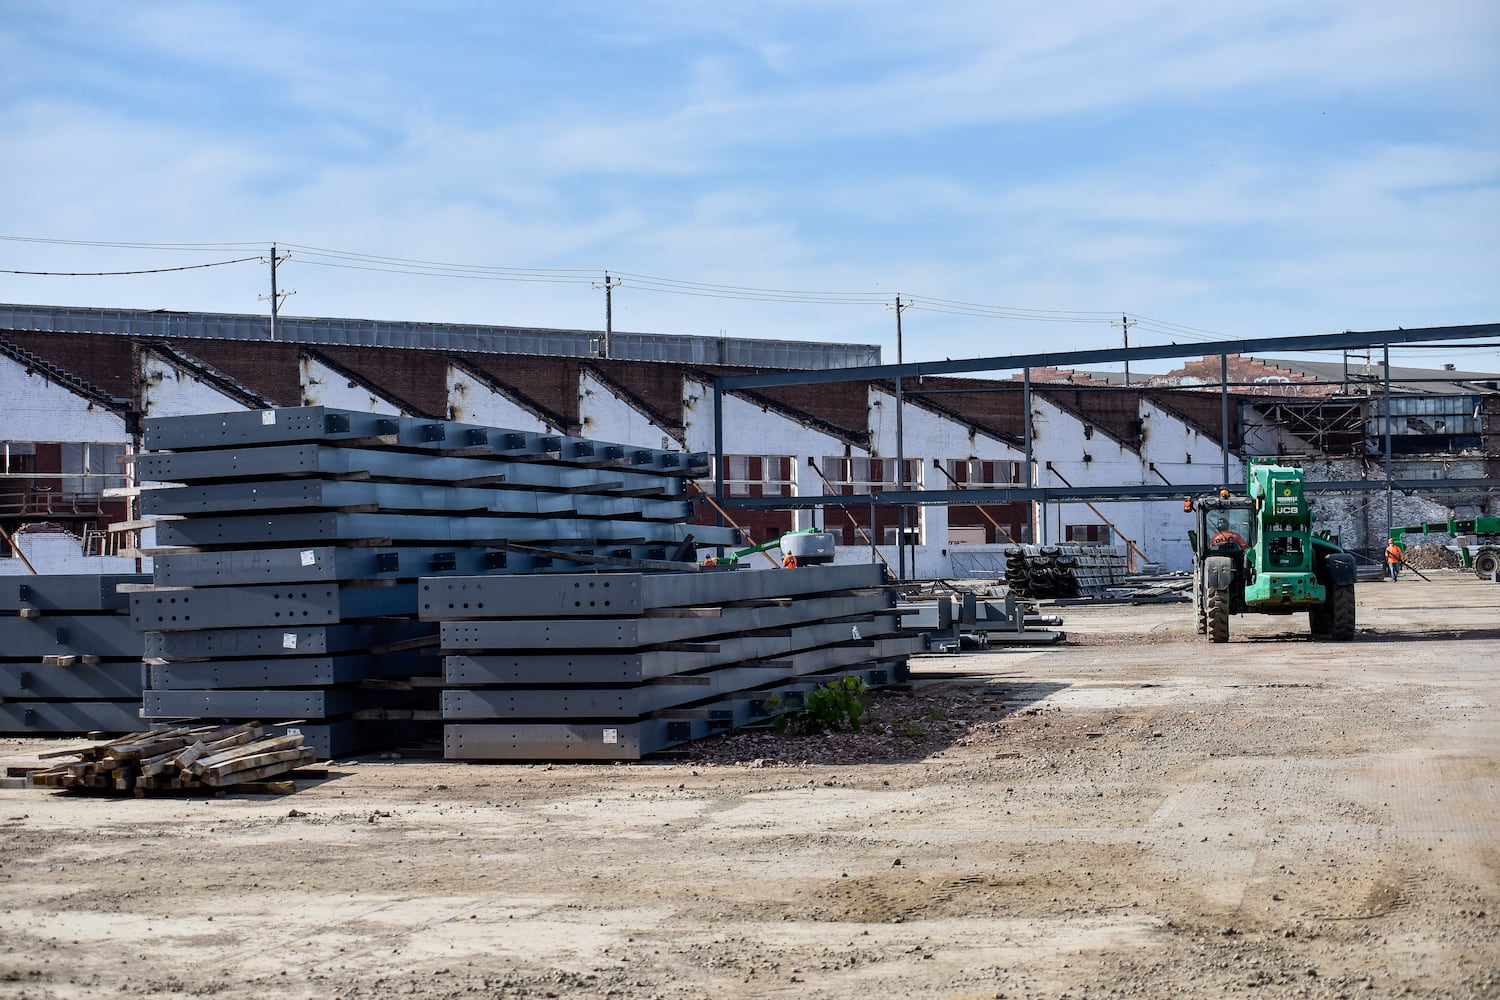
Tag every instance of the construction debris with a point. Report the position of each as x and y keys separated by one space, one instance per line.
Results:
x=205 y=759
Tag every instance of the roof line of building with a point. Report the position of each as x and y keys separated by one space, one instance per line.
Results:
x=475 y=338
x=66 y=379
x=226 y=384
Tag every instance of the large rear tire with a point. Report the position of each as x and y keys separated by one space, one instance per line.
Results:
x=1485 y=563
x=1218 y=615
x=1320 y=619
x=1341 y=606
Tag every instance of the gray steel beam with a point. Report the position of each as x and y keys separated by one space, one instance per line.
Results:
x=301 y=640
x=625 y=739
x=615 y=594
x=616 y=633
x=301 y=494
x=322 y=423
x=345 y=737
x=554 y=703
x=70 y=717
x=272 y=604
x=67 y=592
x=1073 y=359
x=1145 y=491
x=280 y=672
x=329 y=563
x=116 y=680
x=214 y=532
x=292 y=460
x=570 y=668
x=311 y=703
x=106 y=636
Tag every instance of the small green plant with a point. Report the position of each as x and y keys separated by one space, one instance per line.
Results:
x=828 y=708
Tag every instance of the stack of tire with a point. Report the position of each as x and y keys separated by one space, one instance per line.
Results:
x=1060 y=572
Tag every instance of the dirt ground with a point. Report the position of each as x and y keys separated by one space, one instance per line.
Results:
x=1137 y=813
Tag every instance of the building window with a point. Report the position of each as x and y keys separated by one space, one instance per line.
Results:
x=981 y=473
x=1088 y=534
x=88 y=468
x=759 y=475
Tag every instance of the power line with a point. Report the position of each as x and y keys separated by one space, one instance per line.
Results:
x=106 y=274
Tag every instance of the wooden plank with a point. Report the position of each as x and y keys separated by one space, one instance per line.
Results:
x=256 y=766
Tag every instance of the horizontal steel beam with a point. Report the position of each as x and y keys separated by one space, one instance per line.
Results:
x=619 y=594
x=346 y=737
x=107 y=636
x=67 y=592
x=1073 y=359
x=285 y=672
x=314 y=703
x=1079 y=494
x=271 y=604
x=302 y=494
x=115 y=680
x=626 y=739
x=301 y=640
x=196 y=431
x=232 y=464
x=284 y=529
x=628 y=633
x=508 y=703
x=571 y=668
x=70 y=717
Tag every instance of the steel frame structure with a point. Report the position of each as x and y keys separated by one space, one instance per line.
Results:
x=1026 y=362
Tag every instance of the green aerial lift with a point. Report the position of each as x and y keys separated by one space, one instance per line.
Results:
x=807 y=547
x=1258 y=554
x=1476 y=540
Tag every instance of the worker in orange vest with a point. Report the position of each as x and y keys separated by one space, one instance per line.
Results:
x=789 y=561
x=1394 y=557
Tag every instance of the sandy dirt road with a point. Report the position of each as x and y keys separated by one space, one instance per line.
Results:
x=1135 y=814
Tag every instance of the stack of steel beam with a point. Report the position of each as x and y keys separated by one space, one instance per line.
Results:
x=1063 y=571
x=294 y=540
x=70 y=659
x=616 y=666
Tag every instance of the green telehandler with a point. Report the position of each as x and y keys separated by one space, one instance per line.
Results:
x=1258 y=554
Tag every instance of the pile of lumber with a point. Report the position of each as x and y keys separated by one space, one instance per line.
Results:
x=208 y=758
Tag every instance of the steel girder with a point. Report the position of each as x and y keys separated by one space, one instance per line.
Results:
x=628 y=633
x=116 y=680
x=283 y=703
x=633 y=667
x=620 y=594
x=106 y=636
x=280 y=672
x=275 y=604
x=630 y=739
x=301 y=640
x=391 y=466
x=320 y=423
x=557 y=703
x=301 y=494
x=344 y=737
x=329 y=563
x=67 y=592
x=70 y=716
x=215 y=532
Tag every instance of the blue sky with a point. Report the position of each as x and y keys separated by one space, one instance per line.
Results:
x=1230 y=169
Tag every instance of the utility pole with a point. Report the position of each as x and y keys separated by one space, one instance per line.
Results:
x=1125 y=324
x=609 y=309
x=900 y=455
x=275 y=298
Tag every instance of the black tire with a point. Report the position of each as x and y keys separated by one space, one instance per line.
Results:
x=1320 y=617
x=1341 y=607
x=1218 y=615
x=1485 y=563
